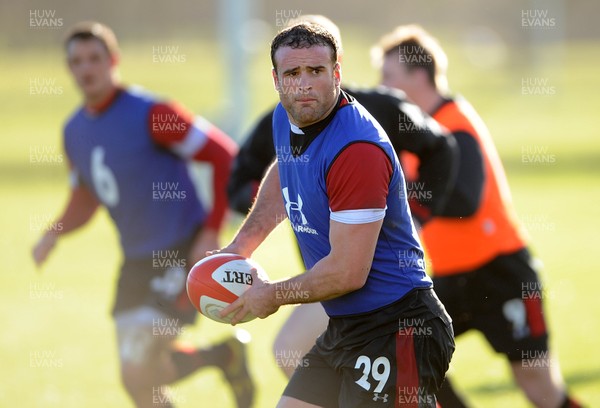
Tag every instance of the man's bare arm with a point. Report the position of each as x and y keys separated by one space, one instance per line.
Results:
x=266 y=213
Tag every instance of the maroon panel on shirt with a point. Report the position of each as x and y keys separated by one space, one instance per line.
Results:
x=407 y=372
x=535 y=316
x=359 y=178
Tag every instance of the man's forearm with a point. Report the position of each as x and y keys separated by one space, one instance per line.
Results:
x=343 y=270
x=266 y=213
x=79 y=209
x=323 y=282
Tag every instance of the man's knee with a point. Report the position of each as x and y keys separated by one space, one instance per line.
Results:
x=140 y=347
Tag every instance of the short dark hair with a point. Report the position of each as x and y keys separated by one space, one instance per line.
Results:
x=417 y=49
x=87 y=30
x=304 y=35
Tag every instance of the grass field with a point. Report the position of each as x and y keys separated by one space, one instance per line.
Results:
x=57 y=341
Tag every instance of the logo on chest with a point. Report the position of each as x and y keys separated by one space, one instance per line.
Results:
x=295 y=214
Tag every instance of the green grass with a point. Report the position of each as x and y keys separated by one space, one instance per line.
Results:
x=71 y=328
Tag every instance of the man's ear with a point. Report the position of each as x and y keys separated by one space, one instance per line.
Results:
x=114 y=60
x=337 y=73
x=275 y=79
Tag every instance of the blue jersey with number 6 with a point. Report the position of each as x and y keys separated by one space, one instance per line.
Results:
x=146 y=188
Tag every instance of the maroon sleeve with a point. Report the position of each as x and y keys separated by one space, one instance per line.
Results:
x=359 y=178
x=169 y=123
x=219 y=150
x=171 y=126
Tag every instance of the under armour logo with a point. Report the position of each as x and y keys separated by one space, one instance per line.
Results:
x=377 y=397
x=293 y=206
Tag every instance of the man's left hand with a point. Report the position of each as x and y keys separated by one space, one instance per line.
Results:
x=259 y=300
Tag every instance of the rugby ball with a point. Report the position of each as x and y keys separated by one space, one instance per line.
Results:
x=218 y=280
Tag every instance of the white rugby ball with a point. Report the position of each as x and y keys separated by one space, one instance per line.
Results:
x=218 y=280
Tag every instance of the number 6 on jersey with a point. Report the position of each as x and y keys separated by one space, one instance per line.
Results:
x=104 y=180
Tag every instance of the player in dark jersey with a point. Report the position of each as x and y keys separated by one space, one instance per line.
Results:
x=338 y=181
x=129 y=152
x=409 y=131
x=481 y=265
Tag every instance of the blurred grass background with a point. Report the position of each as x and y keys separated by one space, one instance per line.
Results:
x=72 y=328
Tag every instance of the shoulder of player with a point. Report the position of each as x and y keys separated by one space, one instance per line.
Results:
x=152 y=99
x=359 y=148
x=139 y=92
x=379 y=94
x=72 y=118
x=172 y=108
x=260 y=139
x=359 y=153
x=264 y=125
x=457 y=115
x=452 y=104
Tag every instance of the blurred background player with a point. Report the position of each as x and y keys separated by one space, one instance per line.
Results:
x=348 y=208
x=409 y=131
x=129 y=152
x=481 y=265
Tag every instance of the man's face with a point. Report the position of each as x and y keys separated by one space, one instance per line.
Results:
x=91 y=66
x=394 y=74
x=308 y=83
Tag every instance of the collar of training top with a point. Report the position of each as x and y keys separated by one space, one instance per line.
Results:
x=301 y=141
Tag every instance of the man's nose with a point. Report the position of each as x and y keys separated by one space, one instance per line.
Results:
x=85 y=65
x=305 y=82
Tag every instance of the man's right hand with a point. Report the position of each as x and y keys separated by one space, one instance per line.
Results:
x=44 y=246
